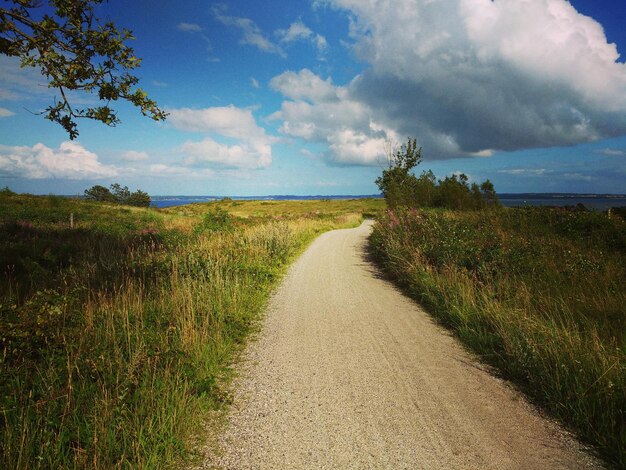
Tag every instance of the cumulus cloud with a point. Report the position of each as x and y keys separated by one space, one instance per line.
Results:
x=321 y=112
x=134 y=156
x=298 y=31
x=304 y=85
x=229 y=121
x=252 y=34
x=252 y=147
x=70 y=161
x=249 y=155
x=470 y=77
x=6 y=112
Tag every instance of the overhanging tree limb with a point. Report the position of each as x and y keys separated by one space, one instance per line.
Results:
x=77 y=52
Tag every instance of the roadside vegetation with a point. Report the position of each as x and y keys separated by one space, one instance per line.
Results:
x=116 y=335
x=538 y=292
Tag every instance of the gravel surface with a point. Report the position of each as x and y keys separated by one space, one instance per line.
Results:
x=348 y=373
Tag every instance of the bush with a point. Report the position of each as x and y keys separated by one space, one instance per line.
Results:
x=118 y=194
x=539 y=292
x=217 y=220
x=401 y=188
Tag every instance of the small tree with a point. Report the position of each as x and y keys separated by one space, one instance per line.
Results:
x=139 y=199
x=99 y=193
x=121 y=194
x=454 y=193
x=401 y=187
x=489 y=193
x=397 y=183
x=118 y=194
x=425 y=191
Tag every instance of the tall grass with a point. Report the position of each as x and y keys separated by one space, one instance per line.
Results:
x=116 y=335
x=541 y=293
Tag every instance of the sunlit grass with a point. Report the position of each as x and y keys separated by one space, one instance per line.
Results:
x=539 y=292
x=117 y=333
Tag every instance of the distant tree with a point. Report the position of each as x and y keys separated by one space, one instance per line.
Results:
x=118 y=194
x=397 y=183
x=454 y=193
x=139 y=199
x=401 y=187
x=477 y=197
x=425 y=190
x=121 y=194
x=99 y=193
x=489 y=193
x=75 y=51
x=6 y=192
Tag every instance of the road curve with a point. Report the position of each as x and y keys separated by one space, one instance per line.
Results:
x=348 y=373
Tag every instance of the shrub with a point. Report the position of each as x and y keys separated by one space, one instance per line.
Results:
x=540 y=292
x=118 y=194
x=401 y=188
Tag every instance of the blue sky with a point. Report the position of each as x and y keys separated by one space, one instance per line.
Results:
x=304 y=96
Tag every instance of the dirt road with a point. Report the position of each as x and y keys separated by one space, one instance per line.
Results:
x=348 y=373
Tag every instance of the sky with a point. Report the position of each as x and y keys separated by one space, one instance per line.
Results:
x=306 y=97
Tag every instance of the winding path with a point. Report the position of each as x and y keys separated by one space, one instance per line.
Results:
x=348 y=373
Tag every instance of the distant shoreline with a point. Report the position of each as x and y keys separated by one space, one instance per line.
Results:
x=591 y=201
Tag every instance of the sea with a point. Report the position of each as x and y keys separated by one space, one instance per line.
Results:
x=599 y=202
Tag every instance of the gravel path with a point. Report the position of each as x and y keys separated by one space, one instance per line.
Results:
x=348 y=373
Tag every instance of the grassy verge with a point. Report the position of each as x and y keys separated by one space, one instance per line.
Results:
x=116 y=334
x=541 y=293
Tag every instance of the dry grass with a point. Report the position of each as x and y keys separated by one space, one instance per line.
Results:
x=117 y=334
x=538 y=292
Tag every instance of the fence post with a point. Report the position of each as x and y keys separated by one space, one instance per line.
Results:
x=71 y=220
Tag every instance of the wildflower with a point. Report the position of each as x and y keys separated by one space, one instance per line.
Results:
x=392 y=218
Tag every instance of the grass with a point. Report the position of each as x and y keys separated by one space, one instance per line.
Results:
x=539 y=292
x=117 y=333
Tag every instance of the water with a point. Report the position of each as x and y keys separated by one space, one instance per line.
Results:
x=600 y=202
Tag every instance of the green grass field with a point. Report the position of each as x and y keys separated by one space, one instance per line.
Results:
x=538 y=292
x=117 y=333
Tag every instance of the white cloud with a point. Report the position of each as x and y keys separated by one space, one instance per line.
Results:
x=27 y=83
x=469 y=77
x=304 y=85
x=70 y=161
x=229 y=121
x=19 y=83
x=252 y=34
x=548 y=38
x=353 y=148
x=298 y=31
x=525 y=171
x=254 y=82
x=483 y=153
x=251 y=150
x=611 y=152
x=189 y=27
x=161 y=170
x=321 y=112
x=6 y=112
x=134 y=156
x=250 y=155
